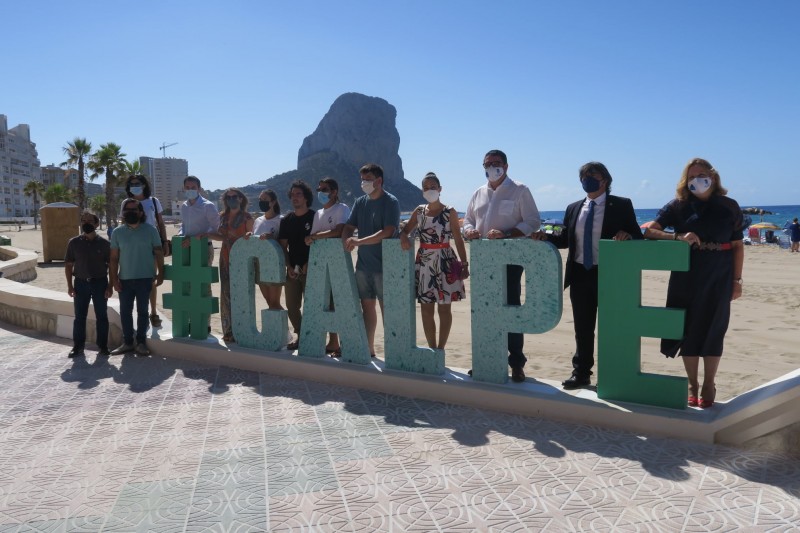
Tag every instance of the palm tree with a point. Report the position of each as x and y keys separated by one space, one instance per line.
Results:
x=57 y=193
x=132 y=168
x=97 y=205
x=110 y=160
x=34 y=188
x=76 y=152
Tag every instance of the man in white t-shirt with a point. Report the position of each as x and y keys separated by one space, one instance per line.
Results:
x=503 y=209
x=328 y=224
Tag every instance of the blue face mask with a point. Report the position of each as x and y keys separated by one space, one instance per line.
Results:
x=137 y=191
x=323 y=197
x=590 y=184
x=190 y=194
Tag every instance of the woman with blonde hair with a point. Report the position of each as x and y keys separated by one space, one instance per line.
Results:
x=703 y=216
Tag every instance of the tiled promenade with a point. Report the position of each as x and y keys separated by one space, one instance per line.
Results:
x=152 y=444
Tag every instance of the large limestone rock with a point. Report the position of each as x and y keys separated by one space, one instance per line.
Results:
x=357 y=129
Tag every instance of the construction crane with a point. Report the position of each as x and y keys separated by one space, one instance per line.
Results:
x=164 y=147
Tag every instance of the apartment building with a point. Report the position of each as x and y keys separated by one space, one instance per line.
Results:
x=19 y=164
x=166 y=174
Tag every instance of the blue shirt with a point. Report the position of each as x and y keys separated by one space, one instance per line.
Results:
x=370 y=216
x=202 y=217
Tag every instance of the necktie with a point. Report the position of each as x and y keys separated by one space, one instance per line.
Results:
x=587 y=238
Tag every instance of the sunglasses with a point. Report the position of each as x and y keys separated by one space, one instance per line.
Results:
x=232 y=197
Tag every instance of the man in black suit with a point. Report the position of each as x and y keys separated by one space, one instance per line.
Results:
x=601 y=216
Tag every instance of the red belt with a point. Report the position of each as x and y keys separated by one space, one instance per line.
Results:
x=434 y=245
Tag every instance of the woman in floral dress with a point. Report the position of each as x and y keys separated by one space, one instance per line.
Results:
x=234 y=222
x=438 y=278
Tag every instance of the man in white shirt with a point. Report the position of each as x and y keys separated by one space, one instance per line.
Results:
x=503 y=209
x=199 y=217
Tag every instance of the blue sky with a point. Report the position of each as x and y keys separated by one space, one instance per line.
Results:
x=642 y=86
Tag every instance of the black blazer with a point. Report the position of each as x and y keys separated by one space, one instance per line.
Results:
x=618 y=216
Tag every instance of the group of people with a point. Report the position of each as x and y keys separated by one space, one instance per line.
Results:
x=701 y=214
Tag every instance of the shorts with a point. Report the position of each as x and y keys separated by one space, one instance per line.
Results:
x=370 y=285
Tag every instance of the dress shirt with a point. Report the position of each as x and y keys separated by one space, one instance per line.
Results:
x=597 y=227
x=202 y=217
x=509 y=206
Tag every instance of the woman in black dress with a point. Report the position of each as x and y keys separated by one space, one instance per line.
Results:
x=703 y=216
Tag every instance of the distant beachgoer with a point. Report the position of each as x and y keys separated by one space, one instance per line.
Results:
x=703 y=216
x=234 y=222
x=794 y=235
x=436 y=280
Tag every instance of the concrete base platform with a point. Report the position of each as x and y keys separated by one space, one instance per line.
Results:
x=164 y=444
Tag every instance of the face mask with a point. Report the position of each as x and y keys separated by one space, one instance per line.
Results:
x=131 y=217
x=431 y=195
x=190 y=194
x=699 y=185
x=232 y=203
x=87 y=228
x=494 y=173
x=137 y=191
x=323 y=197
x=590 y=184
x=264 y=206
x=367 y=186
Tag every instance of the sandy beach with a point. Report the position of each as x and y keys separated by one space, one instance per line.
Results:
x=763 y=340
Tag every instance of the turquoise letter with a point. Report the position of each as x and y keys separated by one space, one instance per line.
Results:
x=622 y=321
x=328 y=261
x=400 y=324
x=492 y=317
x=243 y=290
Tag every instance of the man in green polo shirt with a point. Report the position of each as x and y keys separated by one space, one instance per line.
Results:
x=133 y=273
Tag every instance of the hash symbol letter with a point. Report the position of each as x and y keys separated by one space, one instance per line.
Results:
x=190 y=300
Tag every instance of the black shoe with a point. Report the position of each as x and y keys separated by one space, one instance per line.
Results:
x=517 y=374
x=576 y=382
x=76 y=352
x=103 y=352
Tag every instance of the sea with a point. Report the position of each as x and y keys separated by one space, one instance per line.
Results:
x=780 y=215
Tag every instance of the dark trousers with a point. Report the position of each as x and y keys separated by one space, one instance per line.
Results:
x=294 y=289
x=90 y=291
x=515 y=340
x=138 y=290
x=583 y=295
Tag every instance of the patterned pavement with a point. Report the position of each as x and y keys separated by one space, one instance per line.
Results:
x=150 y=444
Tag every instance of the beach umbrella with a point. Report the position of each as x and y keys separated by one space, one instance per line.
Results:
x=765 y=225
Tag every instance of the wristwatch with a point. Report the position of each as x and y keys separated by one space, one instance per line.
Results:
x=507 y=234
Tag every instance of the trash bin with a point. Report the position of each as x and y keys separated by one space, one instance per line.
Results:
x=60 y=223
x=5 y=241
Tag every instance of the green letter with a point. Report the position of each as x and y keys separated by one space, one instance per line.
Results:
x=622 y=321
x=190 y=300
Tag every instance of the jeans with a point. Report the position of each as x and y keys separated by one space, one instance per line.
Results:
x=139 y=290
x=94 y=291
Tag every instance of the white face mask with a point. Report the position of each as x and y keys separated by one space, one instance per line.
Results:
x=367 y=186
x=699 y=185
x=431 y=195
x=494 y=173
x=190 y=194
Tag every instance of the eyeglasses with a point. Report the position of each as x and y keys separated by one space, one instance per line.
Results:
x=493 y=164
x=135 y=184
x=323 y=190
x=232 y=197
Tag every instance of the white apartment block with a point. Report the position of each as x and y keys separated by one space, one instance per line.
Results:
x=166 y=175
x=19 y=164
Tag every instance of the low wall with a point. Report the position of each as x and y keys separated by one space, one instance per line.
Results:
x=17 y=264
x=763 y=418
